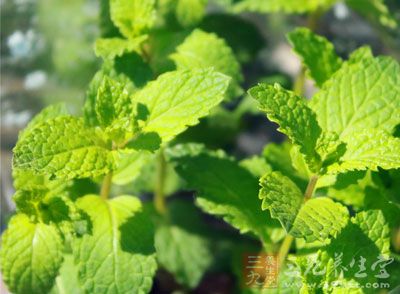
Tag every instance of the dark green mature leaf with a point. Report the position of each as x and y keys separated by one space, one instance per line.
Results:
x=182 y=245
x=375 y=10
x=118 y=254
x=224 y=188
x=31 y=256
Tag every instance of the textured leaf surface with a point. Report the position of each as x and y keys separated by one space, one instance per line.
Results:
x=317 y=53
x=181 y=246
x=49 y=112
x=63 y=147
x=369 y=149
x=118 y=255
x=179 y=99
x=292 y=114
x=112 y=47
x=319 y=219
x=288 y=6
x=224 y=188
x=366 y=236
x=205 y=50
x=31 y=255
x=359 y=96
x=132 y=17
x=282 y=197
x=112 y=102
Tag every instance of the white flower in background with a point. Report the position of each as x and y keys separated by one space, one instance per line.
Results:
x=24 y=45
x=341 y=11
x=35 y=80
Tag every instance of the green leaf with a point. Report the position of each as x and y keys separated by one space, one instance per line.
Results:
x=294 y=117
x=47 y=113
x=369 y=149
x=278 y=156
x=375 y=10
x=360 y=95
x=182 y=249
x=224 y=188
x=132 y=17
x=367 y=236
x=67 y=280
x=118 y=255
x=129 y=165
x=31 y=255
x=287 y=6
x=179 y=99
x=112 y=102
x=204 y=50
x=190 y=12
x=317 y=54
x=319 y=219
x=63 y=147
x=112 y=47
x=282 y=197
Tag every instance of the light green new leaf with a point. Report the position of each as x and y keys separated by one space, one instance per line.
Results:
x=129 y=165
x=294 y=117
x=181 y=245
x=47 y=113
x=375 y=10
x=118 y=255
x=360 y=95
x=369 y=149
x=67 y=280
x=179 y=99
x=282 y=197
x=112 y=47
x=63 y=147
x=319 y=219
x=132 y=17
x=317 y=53
x=31 y=255
x=190 y=12
x=205 y=50
x=287 y=6
x=224 y=188
x=113 y=104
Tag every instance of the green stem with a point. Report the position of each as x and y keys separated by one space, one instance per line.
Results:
x=287 y=242
x=159 y=197
x=300 y=82
x=106 y=186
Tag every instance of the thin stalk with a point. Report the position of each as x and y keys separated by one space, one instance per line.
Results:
x=287 y=242
x=106 y=186
x=159 y=197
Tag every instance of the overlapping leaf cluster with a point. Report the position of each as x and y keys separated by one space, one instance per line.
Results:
x=68 y=235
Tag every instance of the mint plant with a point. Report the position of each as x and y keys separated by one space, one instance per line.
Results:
x=347 y=127
x=78 y=228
